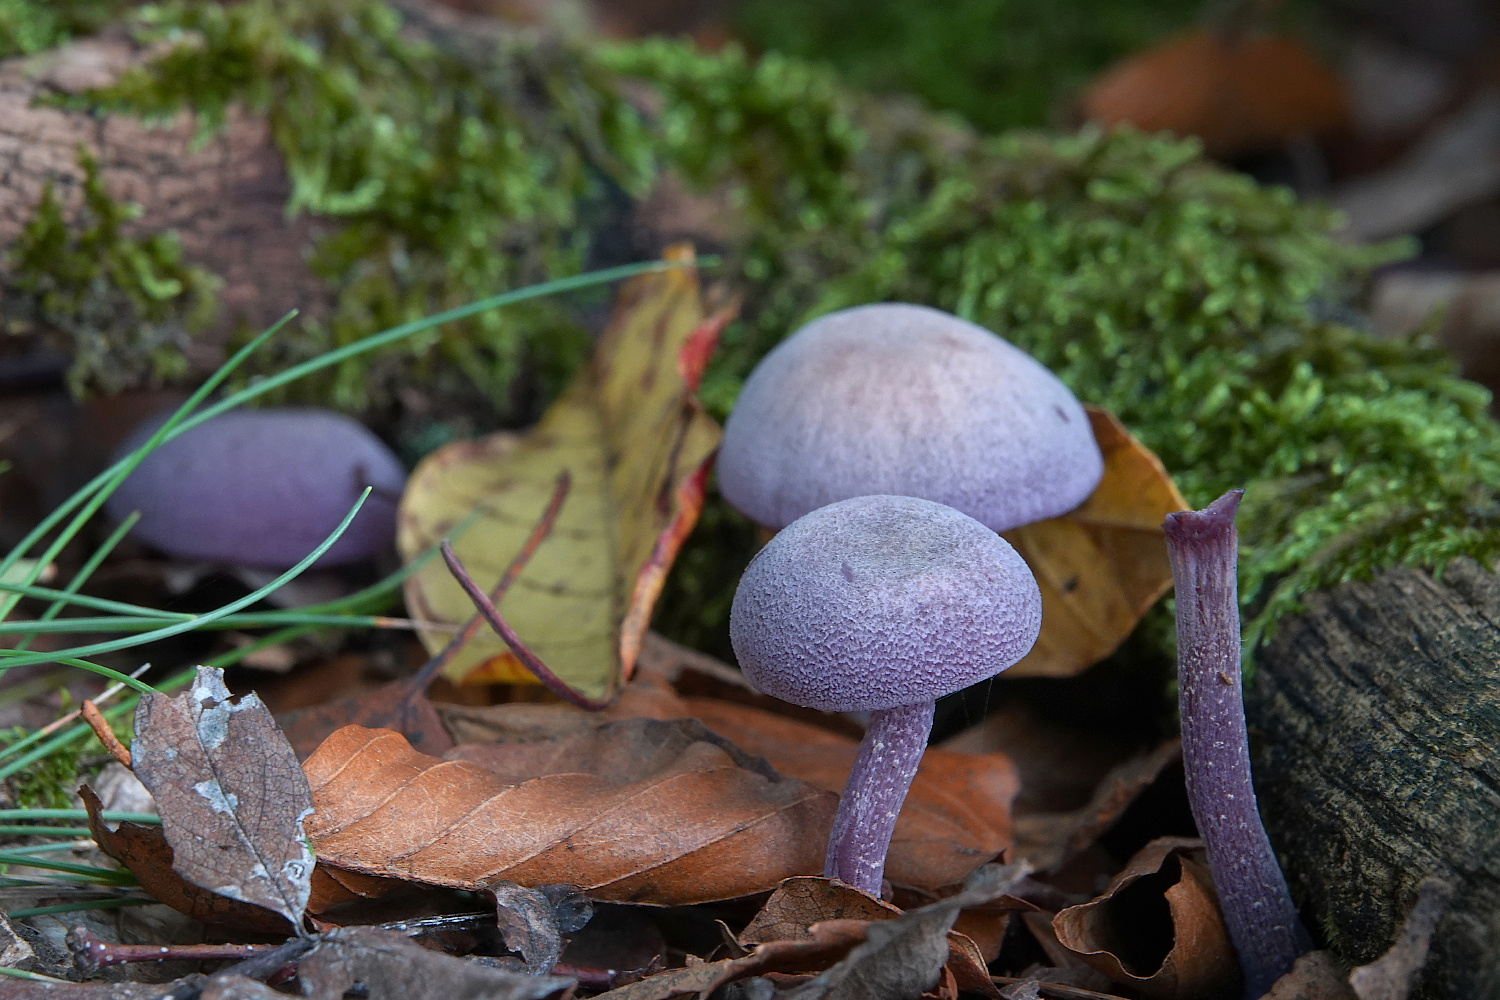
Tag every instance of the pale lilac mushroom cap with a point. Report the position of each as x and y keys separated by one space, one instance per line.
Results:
x=879 y=602
x=912 y=401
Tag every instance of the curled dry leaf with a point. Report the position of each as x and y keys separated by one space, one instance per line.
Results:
x=1102 y=565
x=231 y=795
x=634 y=811
x=1187 y=956
x=636 y=445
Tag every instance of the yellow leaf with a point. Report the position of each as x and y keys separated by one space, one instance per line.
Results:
x=636 y=445
x=1103 y=564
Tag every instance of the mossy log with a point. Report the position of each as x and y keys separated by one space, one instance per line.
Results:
x=1379 y=715
x=225 y=198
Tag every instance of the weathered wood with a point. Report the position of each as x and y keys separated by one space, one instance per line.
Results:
x=1379 y=715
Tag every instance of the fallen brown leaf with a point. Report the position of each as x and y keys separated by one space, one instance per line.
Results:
x=1238 y=92
x=1103 y=564
x=956 y=816
x=636 y=444
x=800 y=902
x=231 y=795
x=1048 y=840
x=634 y=811
x=396 y=705
x=1187 y=956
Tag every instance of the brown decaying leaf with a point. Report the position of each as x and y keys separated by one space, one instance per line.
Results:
x=1315 y=976
x=1048 y=840
x=394 y=706
x=231 y=795
x=634 y=811
x=955 y=818
x=1237 y=92
x=1120 y=933
x=1103 y=564
x=393 y=967
x=145 y=851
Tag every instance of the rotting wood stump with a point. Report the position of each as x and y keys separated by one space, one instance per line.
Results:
x=1378 y=763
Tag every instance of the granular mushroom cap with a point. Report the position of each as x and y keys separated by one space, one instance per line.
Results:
x=882 y=601
x=907 y=400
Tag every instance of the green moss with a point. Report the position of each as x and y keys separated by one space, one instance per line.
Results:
x=456 y=169
x=50 y=782
x=122 y=307
x=1204 y=310
x=30 y=26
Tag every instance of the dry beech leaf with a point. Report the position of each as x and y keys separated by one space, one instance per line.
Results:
x=634 y=810
x=1121 y=934
x=1239 y=93
x=955 y=818
x=636 y=445
x=798 y=904
x=391 y=706
x=1049 y=840
x=1103 y=564
x=145 y=851
x=231 y=795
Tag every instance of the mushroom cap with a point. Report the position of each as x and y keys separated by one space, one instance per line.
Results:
x=906 y=400
x=879 y=602
x=262 y=488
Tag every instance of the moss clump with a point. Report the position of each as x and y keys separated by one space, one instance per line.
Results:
x=29 y=26
x=457 y=168
x=123 y=308
x=1199 y=307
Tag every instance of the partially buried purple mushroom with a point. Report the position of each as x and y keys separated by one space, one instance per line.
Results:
x=1258 y=911
x=881 y=604
x=262 y=488
x=904 y=399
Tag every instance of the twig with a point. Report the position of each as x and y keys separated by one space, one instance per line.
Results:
x=471 y=628
x=100 y=725
x=491 y=614
x=93 y=954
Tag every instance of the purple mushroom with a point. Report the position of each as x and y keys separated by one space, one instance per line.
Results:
x=906 y=400
x=263 y=488
x=881 y=604
x=1258 y=909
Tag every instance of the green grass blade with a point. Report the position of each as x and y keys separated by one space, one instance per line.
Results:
x=180 y=627
x=84 y=572
x=112 y=815
x=97 y=603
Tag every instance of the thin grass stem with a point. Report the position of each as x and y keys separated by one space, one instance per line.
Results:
x=84 y=572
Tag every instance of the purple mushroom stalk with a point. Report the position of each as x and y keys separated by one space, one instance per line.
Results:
x=881 y=604
x=1258 y=910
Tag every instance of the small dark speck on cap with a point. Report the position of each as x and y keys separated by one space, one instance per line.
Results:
x=1070 y=585
x=1062 y=414
x=848 y=572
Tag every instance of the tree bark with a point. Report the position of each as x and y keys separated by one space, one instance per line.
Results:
x=226 y=200
x=1378 y=712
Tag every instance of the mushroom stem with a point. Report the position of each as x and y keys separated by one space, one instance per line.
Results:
x=1258 y=910
x=888 y=757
